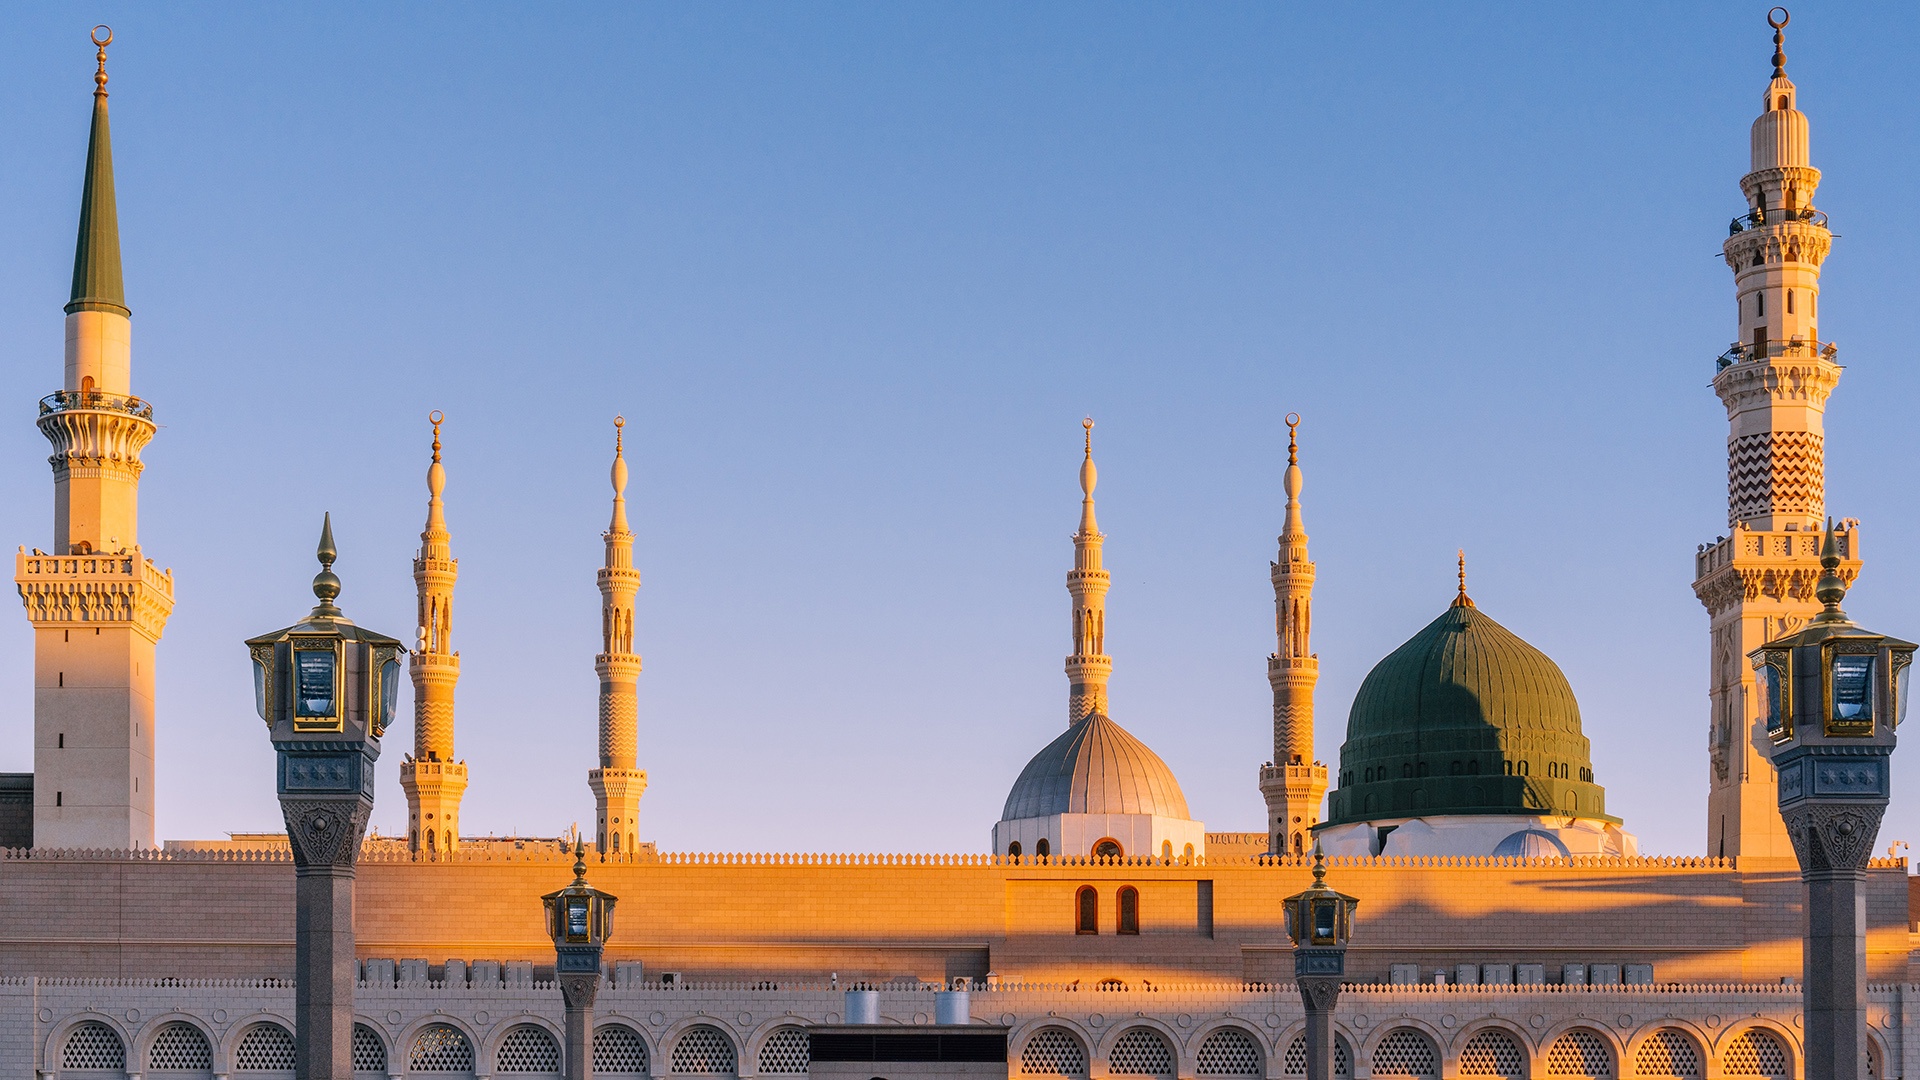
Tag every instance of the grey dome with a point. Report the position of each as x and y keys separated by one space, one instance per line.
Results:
x=1531 y=844
x=1095 y=767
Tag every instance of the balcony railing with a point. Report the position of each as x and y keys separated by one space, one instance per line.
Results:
x=1753 y=219
x=1742 y=351
x=62 y=400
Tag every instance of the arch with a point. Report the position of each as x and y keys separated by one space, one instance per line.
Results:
x=1166 y=849
x=441 y=1048
x=1756 y=1051
x=1108 y=848
x=1584 y=1053
x=619 y=1050
x=1127 y=910
x=787 y=1051
x=91 y=1046
x=527 y=1049
x=1042 y=848
x=1053 y=1051
x=1013 y=848
x=1876 y=1058
x=179 y=1046
x=369 y=1050
x=1141 y=1051
x=264 y=1047
x=1295 y=1061
x=1669 y=1053
x=1493 y=1051
x=1405 y=1053
x=704 y=1050
x=1086 y=910
x=1228 y=1050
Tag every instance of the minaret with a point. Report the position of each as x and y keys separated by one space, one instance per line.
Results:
x=1293 y=783
x=1758 y=582
x=617 y=785
x=1089 y=666
x=433 y=780
x=97 y=604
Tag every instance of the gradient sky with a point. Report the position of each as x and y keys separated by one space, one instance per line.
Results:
x=854 y=273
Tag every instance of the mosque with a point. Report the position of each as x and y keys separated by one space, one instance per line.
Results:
x=1507 y=924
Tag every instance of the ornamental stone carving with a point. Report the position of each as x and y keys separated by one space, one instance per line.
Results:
x=1833 y=837
x=326 y=832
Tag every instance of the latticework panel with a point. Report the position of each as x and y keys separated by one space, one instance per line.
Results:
x=1873 y=1060
x=1493 y=1053
x=1406 y=1053
x=1668 y=1054
x=94 y=1046
x=704 y=1051
x=787 y=1052
x=1140 y=1052
x=369 y=1052
x=440 y=1048
x=528 y=1048
x=1295 y=1062
x=1229 y=1052
x=1053 y=1052
x=1755 y=1053
x=180 y=1047
x=619 y=1051
x=1780 y=472
x=265 y=1047
x=1580 y=1053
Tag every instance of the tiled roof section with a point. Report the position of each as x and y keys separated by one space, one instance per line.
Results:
x=1095 y=767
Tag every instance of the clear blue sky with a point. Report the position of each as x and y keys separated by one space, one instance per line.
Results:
x=854 y=273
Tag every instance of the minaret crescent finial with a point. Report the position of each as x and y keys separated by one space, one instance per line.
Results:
x=436 y=418
x=100 y=76
x=1089 y=476
x=1293 y=443
x=1779 y=39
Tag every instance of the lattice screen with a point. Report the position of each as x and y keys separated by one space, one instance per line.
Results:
x=1493 y=1052
x=369 y=1051
x=1053 y=1052
x=1873 y=1060
x=1755 y=1053
x=265 y=1047
x=619 y=1051
x=1406 y=1053
x=704 y=1051
x=1228 y=1052
x=94 y=1045
x=1295 y=1063
x=1668 y=1054
x=1580 y=1053
x=1140 y=1052
x=786 y=1052
x=180 y=1047
x=440 y=1048
x=528 y=1048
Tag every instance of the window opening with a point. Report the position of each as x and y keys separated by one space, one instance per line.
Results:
x=1087 y=906
x=1129 y=905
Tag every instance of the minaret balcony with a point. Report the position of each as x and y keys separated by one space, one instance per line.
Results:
x=1754 y=219
x=95 y=401
x=1749 y=351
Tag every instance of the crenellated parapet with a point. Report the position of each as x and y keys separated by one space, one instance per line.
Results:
x=125 y=588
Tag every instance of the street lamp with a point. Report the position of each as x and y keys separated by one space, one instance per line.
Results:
x=325 y=688
x=1320 y=922
x=1832 y=696
x=579 y=919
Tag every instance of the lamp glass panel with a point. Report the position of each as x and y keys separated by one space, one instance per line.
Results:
x=1901 y=683
x=1324 y=913
x=1770 y=681
x=313 y=682
x=1853 y=689
x=389 y=691
x=260 y=690
x=577 y=919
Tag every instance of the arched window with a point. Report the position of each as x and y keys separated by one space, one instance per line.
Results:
x=1668 y=1053
x=1129 y=904
x=1783 y=103
x=1042 y=848
x=528 y=1048
x=1086 y=906
x=1140 y=1052
x=1760 y=304
x=86 y=384
x=440 y=1048
x=266 y=1047
x=1189 y=852
x=1166 y=849
x=369 y=1051
x=1580 y=1053
x=787 y=1052
x=180 y=1047
x=1013 y=849
x=704 y=1050
x=1406 y=1052
x=1493 y=1052
x=1229 y=1052
x=1473 y=767
x=618 y=1050
x=1789 y=301
x=1108 y=848
x=1754 y=1052
x=93 y=1046
x=1053 y=1051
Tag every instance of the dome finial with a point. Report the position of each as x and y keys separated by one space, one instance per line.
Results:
x=1779 y=39
x=1831 y=588
x=1319 y=865
x=326 y=585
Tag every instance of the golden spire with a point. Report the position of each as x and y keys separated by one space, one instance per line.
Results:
x=100 y=76
x=619 y=523
x=1089 y=478
x=1462 y=600
x=1293 y=534
x=1293 y=432
x=1779 y=40
x=434 y=540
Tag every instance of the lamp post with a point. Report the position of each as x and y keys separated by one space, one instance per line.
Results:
x=1320 y=922
x=1832 y=694
x=325 y=688
x=579 y=919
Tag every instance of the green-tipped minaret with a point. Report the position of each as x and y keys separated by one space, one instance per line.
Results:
x=96 y=257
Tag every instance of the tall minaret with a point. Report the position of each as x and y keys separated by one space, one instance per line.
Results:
x=433 y=780
x=1757 y=583
x=617 y=785
x=1089 y=666
x=1293 y=783
x=97 y=604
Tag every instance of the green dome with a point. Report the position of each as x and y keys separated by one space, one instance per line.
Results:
x=1465 y=718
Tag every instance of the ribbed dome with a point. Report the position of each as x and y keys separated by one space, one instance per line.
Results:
x=1095 y=767
x=1465 y=718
